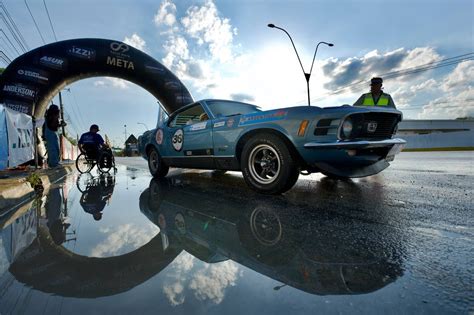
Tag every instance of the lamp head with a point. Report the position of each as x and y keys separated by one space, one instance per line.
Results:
x=271 y=25
x=330 y=44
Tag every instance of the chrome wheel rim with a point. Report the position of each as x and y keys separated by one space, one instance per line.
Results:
x=266 y=227
x=264 y=164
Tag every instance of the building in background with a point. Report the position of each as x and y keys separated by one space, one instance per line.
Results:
x=423 y=135
x=131 y=146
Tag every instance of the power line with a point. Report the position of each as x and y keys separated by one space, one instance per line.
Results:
x=37 y=28
x=4 y=60
x=78 y=109
x=5 y=56
x=1 y=30
x=403 y=72
x=76 y=116
x=7 y=47
x=421 y=107
x=49 y=18
x=14 y=25
x=15 y=37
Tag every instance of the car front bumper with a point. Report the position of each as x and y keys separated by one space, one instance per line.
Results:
x=362 y=144
x=353 y=158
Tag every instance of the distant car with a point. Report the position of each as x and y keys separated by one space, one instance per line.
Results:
x=272 y=147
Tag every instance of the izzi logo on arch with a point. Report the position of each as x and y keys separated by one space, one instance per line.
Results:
x=83 y=53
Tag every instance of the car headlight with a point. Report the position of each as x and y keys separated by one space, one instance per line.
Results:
x=347 y=128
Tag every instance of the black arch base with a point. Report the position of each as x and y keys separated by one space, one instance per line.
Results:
x=30 y=82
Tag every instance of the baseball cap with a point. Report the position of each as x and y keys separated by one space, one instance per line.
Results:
x=376 y=81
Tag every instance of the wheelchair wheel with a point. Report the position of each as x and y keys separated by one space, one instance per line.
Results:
x=83 y=165
x=105 y=162
x=83 y=181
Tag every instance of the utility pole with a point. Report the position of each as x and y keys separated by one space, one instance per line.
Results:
x=125 y=132
x=61 y=108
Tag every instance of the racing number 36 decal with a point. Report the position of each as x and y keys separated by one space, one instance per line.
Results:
x=178 y=139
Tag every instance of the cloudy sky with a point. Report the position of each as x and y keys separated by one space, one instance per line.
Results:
x=224 y=49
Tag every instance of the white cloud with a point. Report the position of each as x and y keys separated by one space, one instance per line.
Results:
x=210 y=283
x=99 y=83
x=174 y=293
x=123 y=238
x=118 y=83
x=205 y=281
x=426 y=85
x=451 y=106
x=405 y=93
x=204 y=24
x=135 y=41
x=419 y=56
x=112 y=82
x=166 y=14
x=461 y=77
x=350 y=71
x=177 y=51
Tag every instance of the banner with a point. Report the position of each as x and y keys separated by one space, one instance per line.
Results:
x=68 y=150
x=20 y=137
x=3 y=140
x=20 y=234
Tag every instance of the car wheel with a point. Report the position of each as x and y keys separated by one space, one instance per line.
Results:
x=267 y=165
x=156 y=165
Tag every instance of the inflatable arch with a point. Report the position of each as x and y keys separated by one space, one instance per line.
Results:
x=64 y=273
x=30 y=82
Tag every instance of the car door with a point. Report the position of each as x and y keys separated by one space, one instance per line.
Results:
x=189 y=139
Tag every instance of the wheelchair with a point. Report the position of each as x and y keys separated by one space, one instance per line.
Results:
x=103 y=158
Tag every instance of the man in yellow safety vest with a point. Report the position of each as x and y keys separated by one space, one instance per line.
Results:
x=375 y=97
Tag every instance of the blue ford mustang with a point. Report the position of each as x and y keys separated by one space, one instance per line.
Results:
x=272 y=147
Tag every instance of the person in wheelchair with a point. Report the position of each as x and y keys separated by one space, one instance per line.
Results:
x=91 y=143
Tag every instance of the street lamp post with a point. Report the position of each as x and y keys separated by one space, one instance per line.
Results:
x=307 y=76
x=140 y=123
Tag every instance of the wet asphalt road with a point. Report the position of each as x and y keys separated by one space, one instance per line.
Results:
x=201 y=242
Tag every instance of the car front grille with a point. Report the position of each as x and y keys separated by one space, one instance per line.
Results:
x=374 y=125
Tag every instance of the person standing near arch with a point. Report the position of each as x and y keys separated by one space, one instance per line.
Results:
x=376 y=97
x=51 y=126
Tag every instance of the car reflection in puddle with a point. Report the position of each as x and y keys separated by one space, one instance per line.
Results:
x=318 y=252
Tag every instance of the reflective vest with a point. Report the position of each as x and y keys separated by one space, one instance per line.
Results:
x=369 y=101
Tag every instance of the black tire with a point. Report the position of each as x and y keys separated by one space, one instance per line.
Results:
x=268 y=165
x=156 y=165
x=83 y=165
x=105 y=162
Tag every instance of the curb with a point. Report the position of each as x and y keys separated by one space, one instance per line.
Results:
x=19 y=191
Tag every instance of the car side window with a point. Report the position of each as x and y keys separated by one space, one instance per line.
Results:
x=192 y=115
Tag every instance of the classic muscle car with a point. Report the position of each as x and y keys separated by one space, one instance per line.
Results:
x=272 y=147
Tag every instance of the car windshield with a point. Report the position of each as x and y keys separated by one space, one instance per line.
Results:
x=229 y=108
